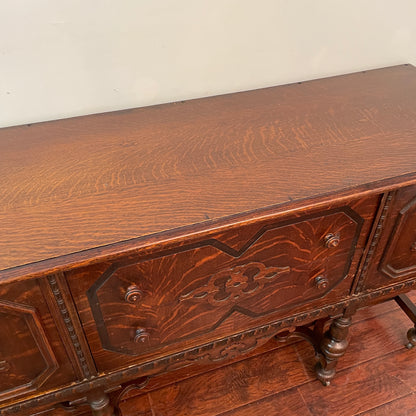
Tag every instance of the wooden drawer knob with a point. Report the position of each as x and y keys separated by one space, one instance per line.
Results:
x=332 y=240
x=133 y=294
x=141 y=335
x=321 y=282
x=413 y=247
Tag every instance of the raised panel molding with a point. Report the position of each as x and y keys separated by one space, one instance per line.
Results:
x=34 y=326
x=236 y=287
x=152 y=244
x=406 y=222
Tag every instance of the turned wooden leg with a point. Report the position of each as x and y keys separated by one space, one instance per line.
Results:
x=332 y=348
x=411 y=336
x=100 y=404
x=409 y=309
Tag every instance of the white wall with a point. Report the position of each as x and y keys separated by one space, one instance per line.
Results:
x=60 y=58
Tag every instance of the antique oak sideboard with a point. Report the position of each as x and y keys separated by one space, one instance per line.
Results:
x=139 y=242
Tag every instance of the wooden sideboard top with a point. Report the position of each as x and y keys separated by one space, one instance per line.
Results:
x=82 y=183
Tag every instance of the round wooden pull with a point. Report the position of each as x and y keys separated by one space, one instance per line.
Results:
x=332 y=240
x=133 y=294
x=141 y=335
x=321 y=282
x=413 y=247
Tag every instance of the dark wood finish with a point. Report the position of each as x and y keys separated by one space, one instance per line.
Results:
x=409 y=309
x=100 y=404
x=66 y=318
x=199 y=161
x=31 y=362
x=365 y=334
x=218 y=286
x=154 y=243
x=333 y=347
x=397 y=232
x=32 y=355
x=399 y=259
x=367 y=381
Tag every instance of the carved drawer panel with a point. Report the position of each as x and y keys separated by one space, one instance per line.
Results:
x=399 y=260
x=32 y=356
x=215 y=286
x=396 y=260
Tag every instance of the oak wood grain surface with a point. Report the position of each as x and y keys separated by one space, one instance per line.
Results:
x=32 y=355
x=376 y=377
x=398 y=260
x=109 y=321
x=76 y=184
x=369 y=323
x=377 y=332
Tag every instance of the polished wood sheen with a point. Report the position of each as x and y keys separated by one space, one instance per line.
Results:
x=217 y=285
x=32 y=355
x=142 y=246
x=374 y=378
x=156 y=169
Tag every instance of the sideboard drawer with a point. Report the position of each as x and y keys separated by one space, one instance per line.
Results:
x=32 y=355
x=216 y=285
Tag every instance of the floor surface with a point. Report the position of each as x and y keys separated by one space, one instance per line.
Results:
x=377 y=376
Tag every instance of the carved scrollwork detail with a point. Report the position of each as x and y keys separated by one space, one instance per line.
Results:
x=223 y=350
x=233 y=350
x=235 y=282
x=69 y=325
x=128 y=387
x=203 y=352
